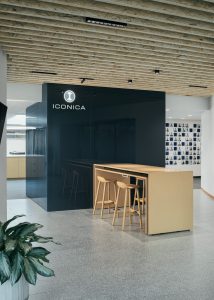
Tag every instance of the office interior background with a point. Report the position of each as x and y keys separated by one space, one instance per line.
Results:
x=147 y=61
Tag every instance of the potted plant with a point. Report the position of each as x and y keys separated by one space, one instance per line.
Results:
x=20 y=262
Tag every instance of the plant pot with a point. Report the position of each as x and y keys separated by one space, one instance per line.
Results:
x=20 y=291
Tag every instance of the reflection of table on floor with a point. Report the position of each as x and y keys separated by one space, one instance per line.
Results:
x=169 y=203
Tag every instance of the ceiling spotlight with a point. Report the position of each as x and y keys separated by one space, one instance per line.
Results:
x=156 y=71
x=83 y=79
x=130 y=81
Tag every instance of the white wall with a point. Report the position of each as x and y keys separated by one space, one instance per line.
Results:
x=3 y=97
x=182 y=106
x=24 y=91
x=16 y=144
x=207 y=149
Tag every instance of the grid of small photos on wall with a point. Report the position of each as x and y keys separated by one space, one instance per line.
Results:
x=183 y=144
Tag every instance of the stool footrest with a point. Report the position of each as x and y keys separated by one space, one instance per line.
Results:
x=106 y=202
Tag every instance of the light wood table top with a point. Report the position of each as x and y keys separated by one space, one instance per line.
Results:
x=138 y=168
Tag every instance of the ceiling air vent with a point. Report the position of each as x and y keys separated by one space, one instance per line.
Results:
x=105 y=22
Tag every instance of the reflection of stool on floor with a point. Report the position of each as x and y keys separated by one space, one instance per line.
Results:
x=127 y=202
x=75 y=184
x=67 y=179
x=106 y=184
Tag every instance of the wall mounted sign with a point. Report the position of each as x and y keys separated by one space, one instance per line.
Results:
x=69 y=96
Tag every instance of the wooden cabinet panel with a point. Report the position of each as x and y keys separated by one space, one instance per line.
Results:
x=16 y=167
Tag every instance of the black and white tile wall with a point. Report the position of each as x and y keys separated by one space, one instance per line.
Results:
x=183 y=144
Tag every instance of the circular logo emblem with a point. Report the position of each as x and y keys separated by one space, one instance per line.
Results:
x=69 y=96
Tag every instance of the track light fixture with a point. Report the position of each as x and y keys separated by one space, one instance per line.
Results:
x=130 y=81
x=105 y=22
x=198 y=86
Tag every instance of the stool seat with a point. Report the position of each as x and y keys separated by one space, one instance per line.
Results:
x=105 y=182
x=106 y=202
x=127 y=187
x=124 y=185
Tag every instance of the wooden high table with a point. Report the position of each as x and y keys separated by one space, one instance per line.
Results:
x=169 y=199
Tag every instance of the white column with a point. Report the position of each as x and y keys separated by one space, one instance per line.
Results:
x=3 y=99
x=207 y=149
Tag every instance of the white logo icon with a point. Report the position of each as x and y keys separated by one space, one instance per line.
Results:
x=69 y=96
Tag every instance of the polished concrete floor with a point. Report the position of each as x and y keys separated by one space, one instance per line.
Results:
x=97 y=261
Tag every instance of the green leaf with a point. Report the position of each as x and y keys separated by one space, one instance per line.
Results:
x=1 y=232
x=41 y=269
x=4 y=226
x=17 y=268
x=29 y=229
x=4 y=266
x=10 y=245
x=25 y=246
x=44 y=259
x=29 y=272
x=41 y=239
x=38 y=252
x=15 y=229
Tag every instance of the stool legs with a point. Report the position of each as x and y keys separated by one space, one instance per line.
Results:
x=124 y=211
x=139 y=209
x=116 y=205
x=102 y=207
x=96 y=198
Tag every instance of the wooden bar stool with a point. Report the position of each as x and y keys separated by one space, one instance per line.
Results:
x=127 y=201
x=140 y=200
x=106 y=184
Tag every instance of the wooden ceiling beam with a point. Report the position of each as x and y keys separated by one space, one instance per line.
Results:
x=152 y=39
x=194 y=10
x=206 y=6
x=132 y=8
x=144 y=86
x=61 y=20
x=137 y=64
x=76 y=58
x=20 y=21
x=124 y=52
x=98 y=43
x=117 y=71
x=85 y=8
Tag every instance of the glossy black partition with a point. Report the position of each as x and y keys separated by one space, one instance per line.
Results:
x=3 y=111
x=94 y=125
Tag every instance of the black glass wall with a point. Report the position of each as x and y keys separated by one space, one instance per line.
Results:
x=100 y=125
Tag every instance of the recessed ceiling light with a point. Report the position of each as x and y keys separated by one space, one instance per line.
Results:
x=105 y=22
x=130 y=81
x=156 y=71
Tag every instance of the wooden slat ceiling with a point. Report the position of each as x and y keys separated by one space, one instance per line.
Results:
x=175 y=37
